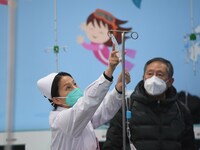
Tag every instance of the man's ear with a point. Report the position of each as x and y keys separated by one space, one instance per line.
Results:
x=143 y=78
x=170 y=82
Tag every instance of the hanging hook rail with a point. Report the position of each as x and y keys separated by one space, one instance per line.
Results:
x=133 y=35
x=56 y=48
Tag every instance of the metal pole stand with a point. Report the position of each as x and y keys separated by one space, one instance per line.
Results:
x=133 y=35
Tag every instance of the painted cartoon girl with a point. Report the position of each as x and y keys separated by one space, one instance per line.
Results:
x=96 y=28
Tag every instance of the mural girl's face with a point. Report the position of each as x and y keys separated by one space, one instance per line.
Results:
x=97 y=33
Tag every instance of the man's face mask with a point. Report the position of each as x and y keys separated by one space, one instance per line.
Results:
x=155 y=86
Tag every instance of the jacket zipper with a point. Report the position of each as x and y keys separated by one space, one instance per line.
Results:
x=160 y=125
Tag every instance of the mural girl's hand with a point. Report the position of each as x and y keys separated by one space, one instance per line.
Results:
x=80 y=39
x=113 y=62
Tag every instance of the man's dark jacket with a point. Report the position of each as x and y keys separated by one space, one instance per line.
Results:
x=155 y=124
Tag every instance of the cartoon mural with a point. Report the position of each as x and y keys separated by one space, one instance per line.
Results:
x=96 y=28
x=137 y=3
x=4 y=2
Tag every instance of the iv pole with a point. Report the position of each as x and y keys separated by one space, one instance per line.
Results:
x=123 y=93
x=134 y=35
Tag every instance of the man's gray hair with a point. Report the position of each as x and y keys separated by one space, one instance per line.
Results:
x=170 y=68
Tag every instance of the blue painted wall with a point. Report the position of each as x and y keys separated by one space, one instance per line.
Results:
x=161 y=26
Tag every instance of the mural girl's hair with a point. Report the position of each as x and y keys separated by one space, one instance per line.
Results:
x=113 y=23
x=106 y=17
